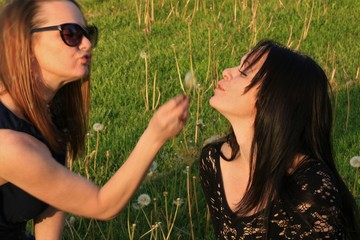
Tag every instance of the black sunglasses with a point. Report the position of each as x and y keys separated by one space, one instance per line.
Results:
x=72 y=33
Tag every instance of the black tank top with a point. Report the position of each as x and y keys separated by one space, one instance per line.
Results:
x=17 y=206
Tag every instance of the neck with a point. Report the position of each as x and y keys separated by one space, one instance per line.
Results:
x=10 y=104
x=244 y=133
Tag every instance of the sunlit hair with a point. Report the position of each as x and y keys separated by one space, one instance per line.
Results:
x=63 y=121
x=294 y=117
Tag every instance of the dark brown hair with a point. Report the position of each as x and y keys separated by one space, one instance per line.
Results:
x=294 y=116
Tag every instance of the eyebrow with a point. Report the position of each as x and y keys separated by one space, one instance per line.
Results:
x=244 y=64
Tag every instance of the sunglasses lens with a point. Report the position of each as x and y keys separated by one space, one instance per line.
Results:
x=92 y=35
x=72 y=34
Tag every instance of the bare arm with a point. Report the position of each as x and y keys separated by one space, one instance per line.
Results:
x=50 y=224
x=52 y=183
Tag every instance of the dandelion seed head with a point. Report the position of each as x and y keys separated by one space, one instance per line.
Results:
x=72 y=220
x=190 y=80
x=178 y=202
x=135 y=206
x=355 y=161
x=98 y=127
x=153 y=166
x=144 y=200
x=143 y=54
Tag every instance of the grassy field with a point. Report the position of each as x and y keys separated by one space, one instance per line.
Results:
x=145 y=49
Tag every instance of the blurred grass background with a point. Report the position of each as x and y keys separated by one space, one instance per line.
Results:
x=206 y=36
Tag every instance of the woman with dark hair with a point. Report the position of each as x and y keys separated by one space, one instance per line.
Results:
x=274 y=176
x=45 y=49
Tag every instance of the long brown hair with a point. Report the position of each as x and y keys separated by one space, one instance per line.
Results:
x=63 y=121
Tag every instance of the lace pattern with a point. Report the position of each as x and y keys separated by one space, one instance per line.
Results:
x=308 y=220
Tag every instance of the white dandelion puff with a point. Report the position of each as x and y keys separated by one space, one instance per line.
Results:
x=98 y=127
x=144 y=200
x=355 y=161
x=190 y=80
x=178 y=202
x=153 y=166
x=187 y=169
x=70 y=221
x=143 y=55
x=136 y=206
x=200 y=123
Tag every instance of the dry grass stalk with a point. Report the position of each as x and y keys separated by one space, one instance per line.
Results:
x=306 y=27
x=289 y=41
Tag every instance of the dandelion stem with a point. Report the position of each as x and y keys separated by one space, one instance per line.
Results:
x=88 y=229
x=189 y=201
x=107 y=161
x=197 y=115
x=138 y=12
x=146 y=218
x=209 y=55
x=173 y=222
x=355 y=182
x=178 y=70
x=154 y=92
x=152 y=11
x=132 y=231
x=96 y=148
x=196 y=202
x=348 y=107
x=128 y=222
x=235 y=10
x=190 y=47
x=167 y=211
x=149 y=231
x=146 y=85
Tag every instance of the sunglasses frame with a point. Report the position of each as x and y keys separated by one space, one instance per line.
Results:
x=90 y=32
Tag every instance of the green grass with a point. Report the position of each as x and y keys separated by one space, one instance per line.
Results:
x=326 y=30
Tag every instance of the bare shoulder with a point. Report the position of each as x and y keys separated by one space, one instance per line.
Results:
x=13 y=142
x=226 y=149
x=16 y=148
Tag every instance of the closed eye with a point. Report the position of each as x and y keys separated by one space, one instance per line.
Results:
x=242 y=73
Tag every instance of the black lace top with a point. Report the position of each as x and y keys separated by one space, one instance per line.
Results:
x=318 y=219
x=17 y=206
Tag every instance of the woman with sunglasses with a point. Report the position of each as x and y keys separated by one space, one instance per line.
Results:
x=45 y=49
x=274 y=176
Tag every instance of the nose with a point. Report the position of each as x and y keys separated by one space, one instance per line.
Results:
x=85 y=44
x=227 y=74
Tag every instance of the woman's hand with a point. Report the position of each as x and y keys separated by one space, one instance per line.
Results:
x=169 y=119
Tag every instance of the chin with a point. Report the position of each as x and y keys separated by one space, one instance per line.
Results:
x=83 y=74
x=212 y=102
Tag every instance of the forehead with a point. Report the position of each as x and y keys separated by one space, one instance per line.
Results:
x=249 y=58
x=59 y=12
